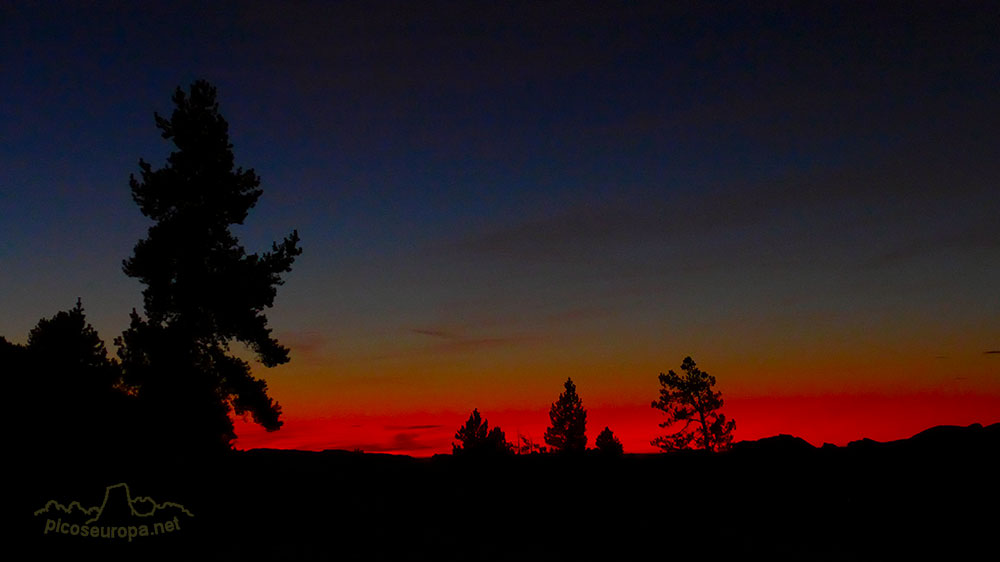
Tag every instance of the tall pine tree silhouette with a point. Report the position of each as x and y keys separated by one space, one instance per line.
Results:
x=569 y=422
x=202 y=290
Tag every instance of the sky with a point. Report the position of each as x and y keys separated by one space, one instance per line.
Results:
x=495 y=197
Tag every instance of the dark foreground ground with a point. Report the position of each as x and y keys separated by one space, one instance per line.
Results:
x=934 y=496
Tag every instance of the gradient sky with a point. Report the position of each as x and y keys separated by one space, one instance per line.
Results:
x=494 y=197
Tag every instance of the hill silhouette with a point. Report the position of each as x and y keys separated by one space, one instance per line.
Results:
x=779 y=443
x=778 y=498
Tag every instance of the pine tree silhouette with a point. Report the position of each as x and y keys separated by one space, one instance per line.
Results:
x=607 y=443
x=690 y=400
x=569 y=422
x=477 y=439
x=202 y=290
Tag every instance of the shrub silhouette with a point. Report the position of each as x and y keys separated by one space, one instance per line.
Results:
x=75 y=353
x=202 y=290
x=71 y=395
x=477 y=439
x=569 y=422
x=527 y=446
x=12 y=356
x=608 y=444
x=690 y=400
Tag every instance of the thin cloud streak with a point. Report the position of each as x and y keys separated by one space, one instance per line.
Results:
x=306 y=346
x=446 y=342
x=981 y=236
x=398 y=442
x=435 y=333
x=877 y=210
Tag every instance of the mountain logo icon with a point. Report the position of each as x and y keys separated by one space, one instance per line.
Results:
x=120 y=515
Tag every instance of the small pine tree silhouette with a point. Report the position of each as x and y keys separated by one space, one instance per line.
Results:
x=569 y=422
x=608 y=444
x=476 y=438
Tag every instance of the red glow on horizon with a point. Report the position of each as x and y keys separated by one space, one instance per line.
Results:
x=836 y=419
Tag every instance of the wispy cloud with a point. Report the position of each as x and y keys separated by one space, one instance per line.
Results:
x=579 y=313
x=588 y=229
x=435 y=333
x=459 y=342
x=437 y=342
x=411 y=427
x=985 y=235
x=887 y=208
x=402 y=442
x=303 y=345
x=479 y=343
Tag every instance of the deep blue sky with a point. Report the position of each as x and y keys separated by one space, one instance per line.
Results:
x=503 y=188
